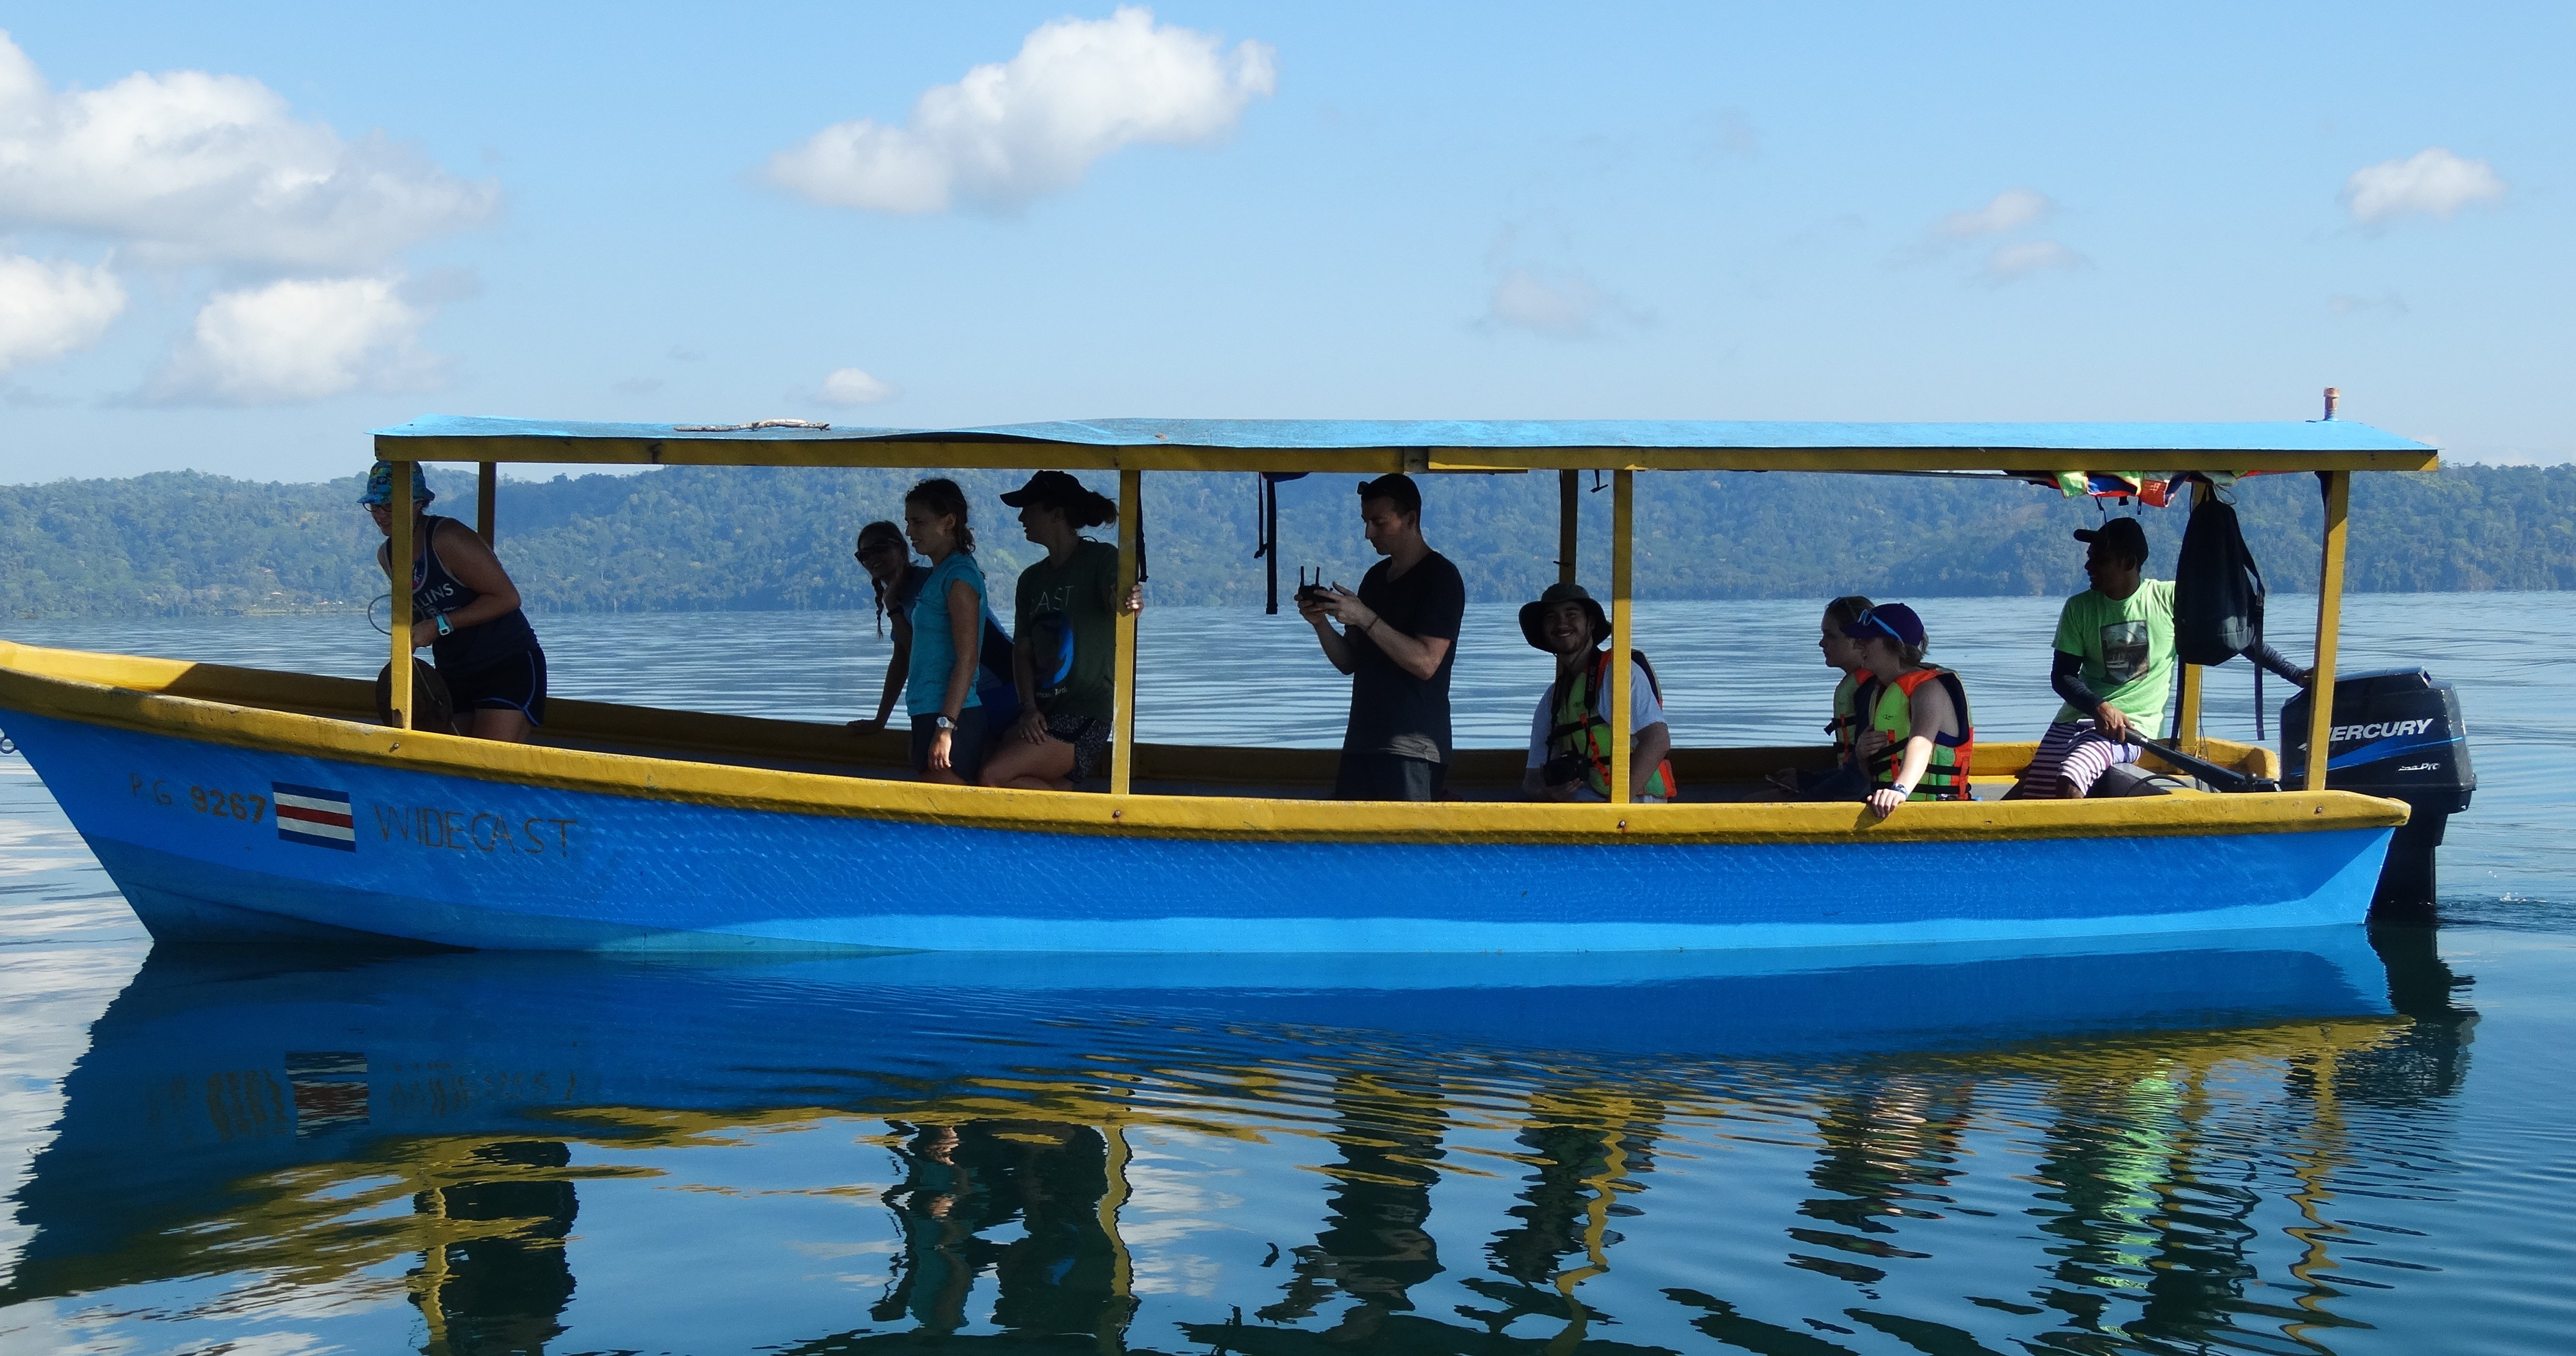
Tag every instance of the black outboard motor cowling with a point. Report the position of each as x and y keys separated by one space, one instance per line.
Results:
x=2399 y=734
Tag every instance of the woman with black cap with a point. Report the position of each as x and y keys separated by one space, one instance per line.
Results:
x=466 y=610
x=1065 y=640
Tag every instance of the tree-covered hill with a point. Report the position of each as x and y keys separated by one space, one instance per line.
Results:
x=686 y=538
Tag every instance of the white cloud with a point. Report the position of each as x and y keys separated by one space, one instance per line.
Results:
x=1558 y=303
x=2431 y=182
x=850 y=386
x=2012 y=263
x=186 y=167
x=2385 y=304
x=2011 y=209
x=49 y=308
x=1012 y=132
x=1567 y=306
x=298 y=340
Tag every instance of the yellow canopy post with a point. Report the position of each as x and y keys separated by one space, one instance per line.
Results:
x=1569 y=523
x=2186 y=726
x=398 y=555
x=2329 y=624
x=487 y=499
x=1112 y=1318
x=1122 y=745
x=1623 y=514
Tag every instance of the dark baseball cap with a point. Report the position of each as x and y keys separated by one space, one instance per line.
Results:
x=2123 y=536
x=1047 y=487
x=1894 y=620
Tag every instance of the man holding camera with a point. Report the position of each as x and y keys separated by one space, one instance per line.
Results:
x=1570 y=734
x=1398 y=641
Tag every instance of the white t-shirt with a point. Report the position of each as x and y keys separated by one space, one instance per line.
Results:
x=1643 y=710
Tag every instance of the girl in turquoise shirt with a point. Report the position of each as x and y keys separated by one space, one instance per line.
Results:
x=947 y=624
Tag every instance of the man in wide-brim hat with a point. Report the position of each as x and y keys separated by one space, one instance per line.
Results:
x=1570 y=732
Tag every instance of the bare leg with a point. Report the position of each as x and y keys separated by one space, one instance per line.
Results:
x=498 y=723
x=1043 y=766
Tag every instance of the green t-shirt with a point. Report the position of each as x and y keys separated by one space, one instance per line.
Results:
x=1067 y=620
x=2127 y=645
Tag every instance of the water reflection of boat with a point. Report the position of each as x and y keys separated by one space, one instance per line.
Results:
x=313 y=1123
x=634 y=828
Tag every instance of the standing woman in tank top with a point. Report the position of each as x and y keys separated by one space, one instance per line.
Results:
x=466 y=610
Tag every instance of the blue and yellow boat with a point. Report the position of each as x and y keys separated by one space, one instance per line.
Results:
x=632 y=828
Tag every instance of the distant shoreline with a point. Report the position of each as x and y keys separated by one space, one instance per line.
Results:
x=698 y=539
x=2277 y=598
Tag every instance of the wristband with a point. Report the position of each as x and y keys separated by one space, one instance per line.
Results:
x=443 y=628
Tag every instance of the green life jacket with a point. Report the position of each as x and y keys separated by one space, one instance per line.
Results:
x=1891 y=708
x=1845 y=726
x=1577 y=728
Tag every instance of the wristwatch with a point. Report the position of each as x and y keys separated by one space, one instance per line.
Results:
x=443 y=628
x=941 y=721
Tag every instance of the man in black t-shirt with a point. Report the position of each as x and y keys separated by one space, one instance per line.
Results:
x=1398 y=641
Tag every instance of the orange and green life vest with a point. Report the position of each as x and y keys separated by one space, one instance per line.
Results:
x=1577 y=728
x=1891 y=709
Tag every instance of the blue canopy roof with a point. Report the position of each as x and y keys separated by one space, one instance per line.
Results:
x=1432 y=443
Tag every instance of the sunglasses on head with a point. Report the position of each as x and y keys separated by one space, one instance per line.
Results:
x=1871 y=618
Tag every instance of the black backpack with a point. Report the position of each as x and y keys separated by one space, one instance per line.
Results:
x=2218 y=592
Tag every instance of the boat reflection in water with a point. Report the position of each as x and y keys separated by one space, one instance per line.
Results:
x=1627 y=1152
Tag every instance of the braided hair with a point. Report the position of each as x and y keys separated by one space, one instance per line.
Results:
x=882 y=533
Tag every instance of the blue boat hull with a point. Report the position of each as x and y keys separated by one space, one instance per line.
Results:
x=466 y=862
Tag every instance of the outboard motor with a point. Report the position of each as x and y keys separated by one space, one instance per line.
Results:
x=2397 y=734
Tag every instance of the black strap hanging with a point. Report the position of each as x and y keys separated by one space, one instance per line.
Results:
x=1265 y=531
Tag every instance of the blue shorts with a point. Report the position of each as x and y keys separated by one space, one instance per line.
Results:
x=511 y=683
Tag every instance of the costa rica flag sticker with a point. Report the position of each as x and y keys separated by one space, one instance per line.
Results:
x=314 y=817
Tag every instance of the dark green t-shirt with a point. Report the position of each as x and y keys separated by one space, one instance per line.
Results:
x=1067 y=622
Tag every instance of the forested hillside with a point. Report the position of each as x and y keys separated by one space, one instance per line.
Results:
x=692 y=539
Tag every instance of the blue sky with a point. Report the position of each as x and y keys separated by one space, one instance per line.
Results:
x=1483 y=210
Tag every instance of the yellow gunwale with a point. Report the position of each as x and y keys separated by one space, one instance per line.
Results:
x=131 y=693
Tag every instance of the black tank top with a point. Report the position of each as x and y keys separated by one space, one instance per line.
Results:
x=436 y=593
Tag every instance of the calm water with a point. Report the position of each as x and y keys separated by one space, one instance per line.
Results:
x=2273 y=1143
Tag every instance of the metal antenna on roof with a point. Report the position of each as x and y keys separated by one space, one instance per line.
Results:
x=2332 y=395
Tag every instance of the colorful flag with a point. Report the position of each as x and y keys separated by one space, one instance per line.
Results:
x=315 y=817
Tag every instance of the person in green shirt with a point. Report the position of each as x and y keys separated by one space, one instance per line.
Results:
x=2114 y=667
x=1065 y=640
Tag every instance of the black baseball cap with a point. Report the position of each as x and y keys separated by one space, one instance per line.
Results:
x=1047 y=487
x=2122 y=536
